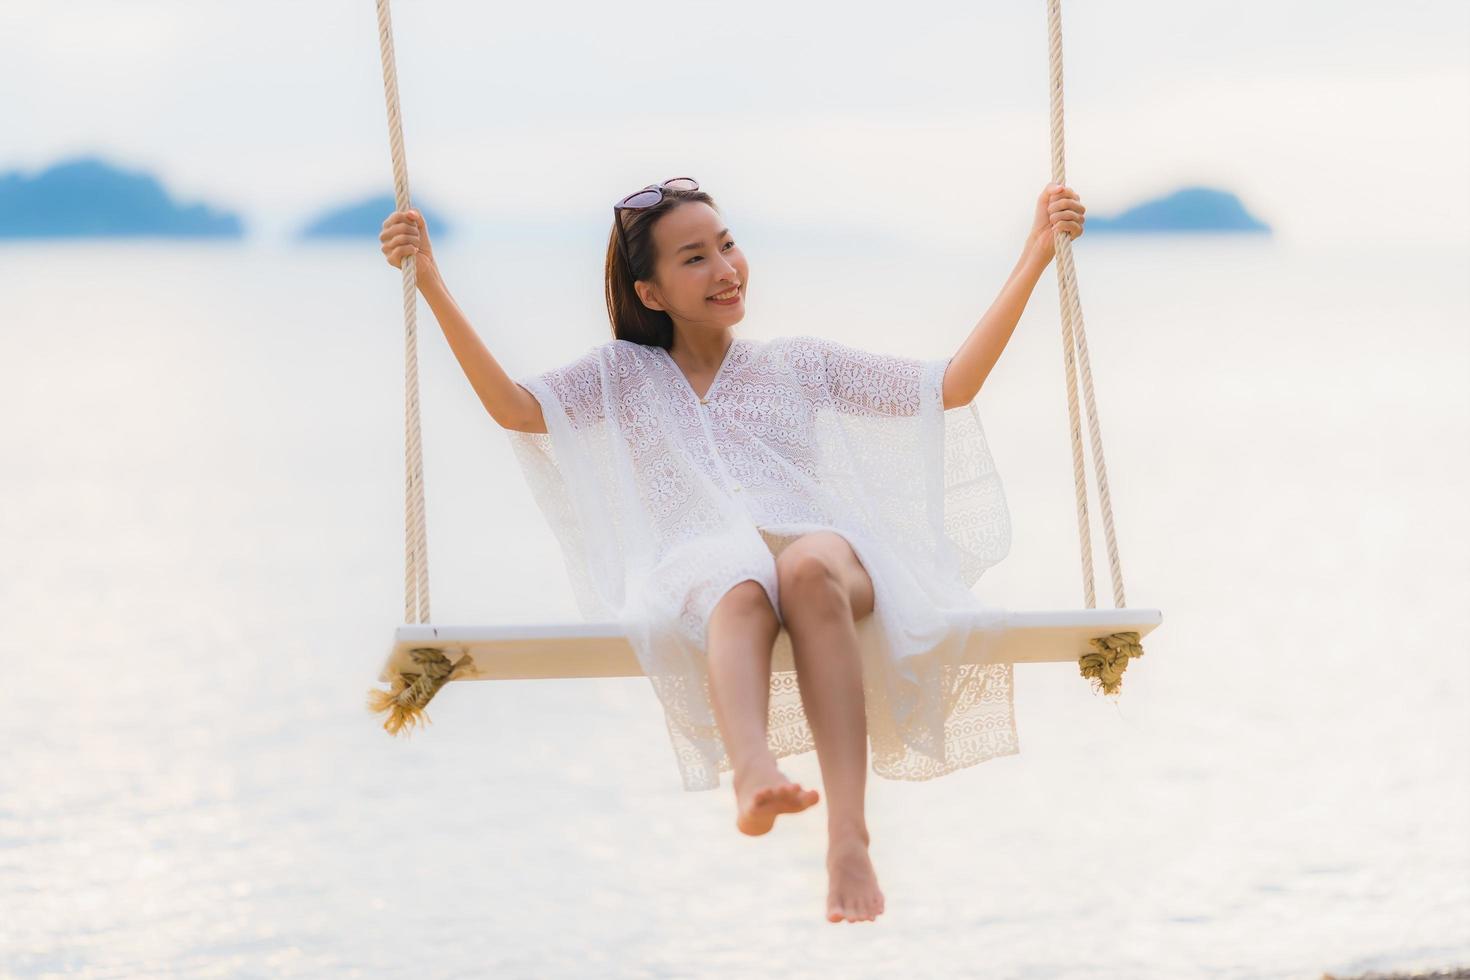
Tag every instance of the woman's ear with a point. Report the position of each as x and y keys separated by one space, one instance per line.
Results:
x=647 y=295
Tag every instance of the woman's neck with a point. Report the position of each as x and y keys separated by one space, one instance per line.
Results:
x=703 y=351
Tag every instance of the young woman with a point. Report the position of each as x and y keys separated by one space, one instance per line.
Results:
x=725 y=499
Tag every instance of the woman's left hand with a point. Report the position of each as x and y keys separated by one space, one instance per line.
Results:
x=1057 y=210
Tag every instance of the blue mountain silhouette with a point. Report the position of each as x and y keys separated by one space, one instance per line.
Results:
x=89 y=197
x=1185 y=210
x=364 y=219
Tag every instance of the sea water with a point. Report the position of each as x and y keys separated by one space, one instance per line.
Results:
x=201 y=526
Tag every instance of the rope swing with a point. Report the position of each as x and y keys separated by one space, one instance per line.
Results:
x=418 y=665
x=1112 y=653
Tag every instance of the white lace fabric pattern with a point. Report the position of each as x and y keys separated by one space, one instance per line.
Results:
x=662 y=501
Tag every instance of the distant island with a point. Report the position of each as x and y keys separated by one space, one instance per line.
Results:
x=364 y=219
x=87 y=197
x=1186 y=210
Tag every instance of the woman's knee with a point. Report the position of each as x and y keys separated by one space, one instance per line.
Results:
x=811 y=575
x=746 y=603
x=826 y=574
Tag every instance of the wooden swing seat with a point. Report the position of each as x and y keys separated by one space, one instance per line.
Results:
x=545 y=651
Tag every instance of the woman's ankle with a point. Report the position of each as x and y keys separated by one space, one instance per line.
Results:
x=755 y=761
x=842 y=833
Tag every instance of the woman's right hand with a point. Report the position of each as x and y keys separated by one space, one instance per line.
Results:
x=405 y=233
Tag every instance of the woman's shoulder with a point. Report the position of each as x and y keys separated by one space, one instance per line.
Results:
x=614 y=352
x=617 y=348
x=800 y=348
x=803 y=342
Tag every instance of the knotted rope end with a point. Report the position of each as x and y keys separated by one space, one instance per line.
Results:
x=403 y=704
x=1108 y=659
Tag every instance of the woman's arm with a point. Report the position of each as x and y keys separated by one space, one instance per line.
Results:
x=511 y=406
x=1058 y=210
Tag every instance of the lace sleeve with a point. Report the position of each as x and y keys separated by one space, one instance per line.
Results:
x=576 y=388
x=863 y=382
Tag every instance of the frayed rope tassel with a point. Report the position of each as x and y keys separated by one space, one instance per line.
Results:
x=410 y=692
x=1110 y=656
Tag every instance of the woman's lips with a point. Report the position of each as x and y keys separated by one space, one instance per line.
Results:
x=727 y=302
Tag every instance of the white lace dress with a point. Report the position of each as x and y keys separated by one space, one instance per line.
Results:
x=662 y=501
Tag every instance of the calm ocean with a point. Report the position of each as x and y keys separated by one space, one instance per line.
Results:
x=201 y=524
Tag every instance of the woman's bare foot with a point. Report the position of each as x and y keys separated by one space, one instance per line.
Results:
x=853 y=892
x=761 y=792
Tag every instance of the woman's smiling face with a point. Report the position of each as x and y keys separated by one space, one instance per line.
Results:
x=697 y=260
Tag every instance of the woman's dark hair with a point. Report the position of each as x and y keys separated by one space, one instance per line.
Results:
x=631 y=320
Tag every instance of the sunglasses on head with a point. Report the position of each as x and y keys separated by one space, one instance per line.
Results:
x=647 y=198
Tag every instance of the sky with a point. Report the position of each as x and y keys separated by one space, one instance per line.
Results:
x=1331 y=121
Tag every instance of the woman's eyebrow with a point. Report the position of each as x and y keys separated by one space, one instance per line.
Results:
x=683 y=248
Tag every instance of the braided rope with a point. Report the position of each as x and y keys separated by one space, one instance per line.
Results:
x=415 y=527
x=1074 y=348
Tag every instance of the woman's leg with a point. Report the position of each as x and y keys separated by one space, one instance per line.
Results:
x=742 y=630
x=824 y=591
